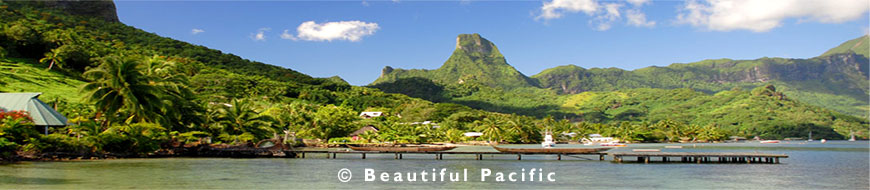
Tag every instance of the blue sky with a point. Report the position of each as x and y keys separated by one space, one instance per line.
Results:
x=356 y=39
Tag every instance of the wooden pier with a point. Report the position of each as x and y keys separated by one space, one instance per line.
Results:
x=437 y=155
x=700 y=157
x=645 y=157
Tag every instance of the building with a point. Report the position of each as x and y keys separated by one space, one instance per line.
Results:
x=370 y=114
x=42 y=114
x=355 y=135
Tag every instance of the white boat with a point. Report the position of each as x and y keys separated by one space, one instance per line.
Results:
x=823 y=141
x=548 y=140
x=777 y=141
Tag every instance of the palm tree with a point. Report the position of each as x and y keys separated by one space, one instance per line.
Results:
x=52 y=57
x=490 y=128
x=119 y=86
x=239 y=117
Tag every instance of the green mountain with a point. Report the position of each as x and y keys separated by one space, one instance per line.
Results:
x=836 y=81
x=858 y=45
x=475 y=60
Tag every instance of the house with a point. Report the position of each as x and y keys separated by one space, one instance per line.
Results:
x=597 y=138
x=42 y=114
x=370 y=114
x=473 y=134
x=355 y=135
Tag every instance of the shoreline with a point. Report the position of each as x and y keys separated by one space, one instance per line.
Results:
x=223 y=151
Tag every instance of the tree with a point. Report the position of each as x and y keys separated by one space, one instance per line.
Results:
x=52 y=57
x=239 y=118
x=490 y=127
x=119 y=89
x=332 y=121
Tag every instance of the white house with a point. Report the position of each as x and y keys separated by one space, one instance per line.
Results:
x=370 y=114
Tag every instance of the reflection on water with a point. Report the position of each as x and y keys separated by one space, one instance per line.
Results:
x=834 y=165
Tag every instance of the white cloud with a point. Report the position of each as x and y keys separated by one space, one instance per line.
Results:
x=764 y=15
x=638 y=3
x=288 y=36
x=603 y=15
x=604 y=21
x=344 y=30
x=637 y=18
x=365 y=3
x=554 y=9
x=260 y=35
x=196 y=31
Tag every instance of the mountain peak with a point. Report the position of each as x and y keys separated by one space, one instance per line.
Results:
x=475 y=60
x=474 y=43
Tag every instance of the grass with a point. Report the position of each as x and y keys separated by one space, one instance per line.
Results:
x=25 y=75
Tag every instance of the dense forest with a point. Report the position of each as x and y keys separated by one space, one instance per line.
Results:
x=130 y=92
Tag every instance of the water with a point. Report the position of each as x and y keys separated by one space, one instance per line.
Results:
x=811 y=165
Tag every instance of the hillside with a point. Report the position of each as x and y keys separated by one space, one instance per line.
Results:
x=762 y=111
x=859 y=46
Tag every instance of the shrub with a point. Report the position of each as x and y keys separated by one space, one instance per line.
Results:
x=138 y=138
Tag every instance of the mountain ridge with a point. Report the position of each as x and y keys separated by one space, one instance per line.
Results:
x=838 y=79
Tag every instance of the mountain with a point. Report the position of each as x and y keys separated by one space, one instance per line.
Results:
x=475 y=60
x=837 y=81
x=771 y=96
x=858 y=45
x=103 y=9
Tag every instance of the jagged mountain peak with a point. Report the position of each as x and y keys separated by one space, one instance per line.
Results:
x=473 y=43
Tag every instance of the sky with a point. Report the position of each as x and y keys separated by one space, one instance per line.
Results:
x=356 y=39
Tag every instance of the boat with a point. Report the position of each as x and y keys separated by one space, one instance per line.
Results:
x=851 y=139
x=548 y=141
x=776 y=141
x=823 y=141
x=550 y=150
x=401 y=148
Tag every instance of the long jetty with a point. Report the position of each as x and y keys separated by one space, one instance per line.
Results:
x=645 y=157
x=701 y=157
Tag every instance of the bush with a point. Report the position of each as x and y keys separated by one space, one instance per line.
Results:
x=139 y=138
x=63 y=143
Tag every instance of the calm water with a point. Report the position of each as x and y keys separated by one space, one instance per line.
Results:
x=834 y=165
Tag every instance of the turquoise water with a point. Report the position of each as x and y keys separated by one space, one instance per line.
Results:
x=834 y=165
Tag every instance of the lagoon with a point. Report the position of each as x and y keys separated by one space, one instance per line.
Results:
x=811 y=165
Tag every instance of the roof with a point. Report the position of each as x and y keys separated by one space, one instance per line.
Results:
x=473 y=134
x=363 y=130
x=371 y=114
x=42 y=114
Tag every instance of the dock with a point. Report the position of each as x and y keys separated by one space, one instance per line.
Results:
x=700 y=157
x=437 y=155
x=619 y=157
